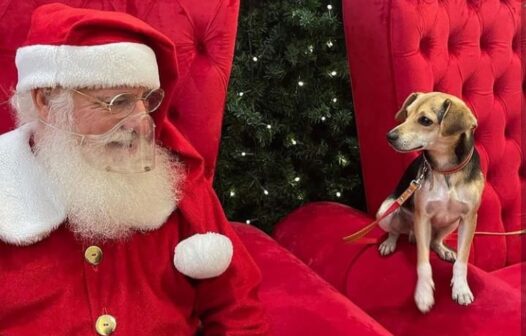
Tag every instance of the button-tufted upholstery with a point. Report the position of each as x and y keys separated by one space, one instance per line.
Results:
x=471 y=49
x=204 y=33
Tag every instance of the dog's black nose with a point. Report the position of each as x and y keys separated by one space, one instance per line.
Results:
x=392 y=136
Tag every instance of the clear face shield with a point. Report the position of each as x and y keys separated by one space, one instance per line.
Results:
x=127 y=146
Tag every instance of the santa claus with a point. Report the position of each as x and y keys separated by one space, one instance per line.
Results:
x=107 y=223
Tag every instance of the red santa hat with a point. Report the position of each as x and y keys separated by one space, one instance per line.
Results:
x=83 y=48
x=76 y=48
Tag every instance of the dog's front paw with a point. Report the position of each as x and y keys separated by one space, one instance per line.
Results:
x=424 y=297
x=388 y=246
x=461 y=292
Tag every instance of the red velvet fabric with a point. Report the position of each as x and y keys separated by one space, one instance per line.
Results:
x=470 y=49
x=136 y=281
x=384 y=286
x=297 y=302
x=204 y=35
x=467 y=48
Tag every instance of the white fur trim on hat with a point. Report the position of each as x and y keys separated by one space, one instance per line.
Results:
x=98 y=66
x=203 y=256
x=29 y=206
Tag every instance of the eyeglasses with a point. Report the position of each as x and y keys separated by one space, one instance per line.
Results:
x=123 y=104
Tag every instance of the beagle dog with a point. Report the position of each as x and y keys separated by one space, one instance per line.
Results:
x=450 y=188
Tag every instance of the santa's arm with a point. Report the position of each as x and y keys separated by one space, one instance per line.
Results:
x=228 y=279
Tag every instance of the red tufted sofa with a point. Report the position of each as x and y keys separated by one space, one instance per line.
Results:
x=298 y=301
x=471 y=49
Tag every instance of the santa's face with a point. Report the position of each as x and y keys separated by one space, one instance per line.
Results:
x=113 y=126
x=100 y=203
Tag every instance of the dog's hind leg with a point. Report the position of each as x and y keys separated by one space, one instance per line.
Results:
x=437 y=244
x=393 y=224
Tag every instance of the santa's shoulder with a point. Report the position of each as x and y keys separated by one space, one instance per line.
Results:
x=29 y=206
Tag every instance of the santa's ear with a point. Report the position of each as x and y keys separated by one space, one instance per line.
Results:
x=41 y=101
x=401 y=115
x=455 y=118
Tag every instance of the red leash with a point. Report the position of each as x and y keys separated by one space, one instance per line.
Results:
x=413 y=186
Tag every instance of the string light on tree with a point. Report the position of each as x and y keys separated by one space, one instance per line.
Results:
x=248 y=221
x=269 y=126
x=329 y=7
x=333 y=73
x=232 y=193
x=241 y=94
x=255 y=59
x=334 y=100
x=330 y=44
x=265 y=191
x=293 y=142
x=342 y=160
x=301 y=83
x=311 y=48
x=338 y=194
x=323 y=118
x=297 y=179
x=243 y=154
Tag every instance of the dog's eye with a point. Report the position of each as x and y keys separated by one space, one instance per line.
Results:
x=425 y=121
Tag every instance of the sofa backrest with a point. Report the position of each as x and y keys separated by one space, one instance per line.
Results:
x=468 y=48
x=204 y=33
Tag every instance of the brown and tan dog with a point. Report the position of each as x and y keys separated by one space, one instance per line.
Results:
x=441 y=126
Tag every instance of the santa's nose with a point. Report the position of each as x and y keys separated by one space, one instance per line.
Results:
x=139 y=124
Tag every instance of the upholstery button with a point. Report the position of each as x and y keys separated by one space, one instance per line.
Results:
x=515 y=44
x=93 y=255
x=105 y=325
x=425 y=46
x=454 y=45
x=484 y=44
x=201 y=47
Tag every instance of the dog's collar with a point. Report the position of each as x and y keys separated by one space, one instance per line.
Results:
x=451 y=170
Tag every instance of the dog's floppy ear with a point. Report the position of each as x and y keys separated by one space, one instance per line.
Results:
x=455 y=118
x=401 y=115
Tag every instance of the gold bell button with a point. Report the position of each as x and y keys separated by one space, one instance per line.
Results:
x=105 y=325
x=93 y=255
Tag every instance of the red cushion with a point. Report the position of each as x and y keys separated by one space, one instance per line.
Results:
x=384 y=286
x=512 y=275
x=470 y=49
x=298 y=301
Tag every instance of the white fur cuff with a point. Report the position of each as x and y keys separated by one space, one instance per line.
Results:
x=106 y=65
x=203 y=256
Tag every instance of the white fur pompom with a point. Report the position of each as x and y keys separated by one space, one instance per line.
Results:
x=203 y=256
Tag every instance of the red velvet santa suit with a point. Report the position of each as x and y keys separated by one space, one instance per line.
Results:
x=50 y=283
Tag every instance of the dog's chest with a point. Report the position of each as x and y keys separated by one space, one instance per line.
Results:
x=441 y=201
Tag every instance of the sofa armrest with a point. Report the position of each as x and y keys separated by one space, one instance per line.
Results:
x=298 y=301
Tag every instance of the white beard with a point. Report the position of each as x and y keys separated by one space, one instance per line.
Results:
x=106 y=205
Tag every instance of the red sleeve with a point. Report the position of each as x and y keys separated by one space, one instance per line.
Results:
x=227 y=304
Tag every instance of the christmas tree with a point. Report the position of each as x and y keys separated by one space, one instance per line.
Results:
x=288 y=136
